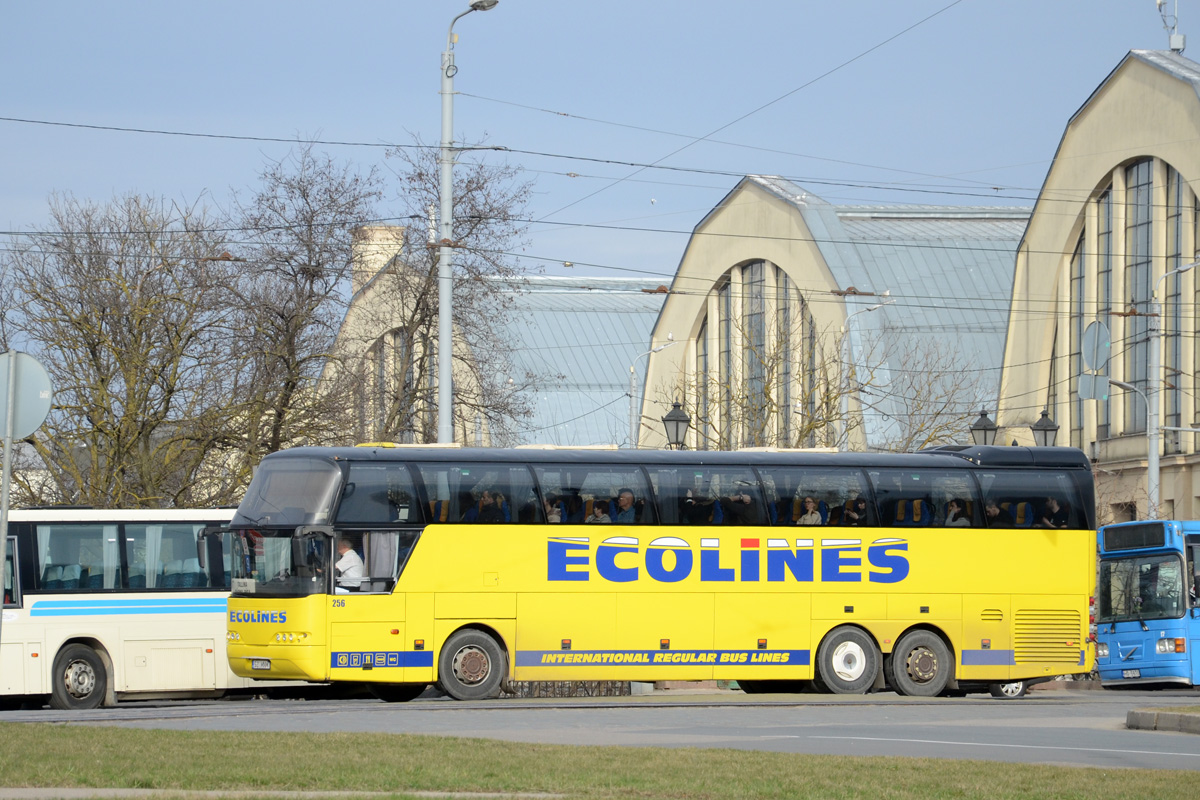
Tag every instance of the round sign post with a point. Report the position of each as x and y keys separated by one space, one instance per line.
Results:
x=25 y=395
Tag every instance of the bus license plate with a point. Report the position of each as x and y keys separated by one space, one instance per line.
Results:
x=265 y=663
x=1131 y=673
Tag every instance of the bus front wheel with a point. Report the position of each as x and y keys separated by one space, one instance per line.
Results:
x=848 y=661
x=79 y=679
x=472 y=666
x=921 y=664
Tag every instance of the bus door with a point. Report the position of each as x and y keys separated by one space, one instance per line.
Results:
x=13 y=662
x=1192 y=615
x=212 y=550
x=367 y=632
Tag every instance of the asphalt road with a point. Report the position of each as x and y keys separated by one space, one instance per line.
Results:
x=1079 y=728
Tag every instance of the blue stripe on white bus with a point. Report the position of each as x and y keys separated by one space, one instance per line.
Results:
x=124 y=606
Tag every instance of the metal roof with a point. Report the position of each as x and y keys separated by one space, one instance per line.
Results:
x=579 y=336
x=948 y=269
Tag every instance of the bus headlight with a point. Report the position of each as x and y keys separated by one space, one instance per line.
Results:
x=233 y=636
x=1171 y=646
x=1102 y=650
x=290 y=637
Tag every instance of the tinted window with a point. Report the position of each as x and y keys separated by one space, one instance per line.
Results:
x=830 y=489
x=922 y=497
x=576 y=489
x=377 y=492
x=709 y=496
x=480 y=493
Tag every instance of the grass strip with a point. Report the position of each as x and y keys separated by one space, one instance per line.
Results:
x=35 y=755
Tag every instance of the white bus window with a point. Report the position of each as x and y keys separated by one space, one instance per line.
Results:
x=78 y=556
x=164 y=556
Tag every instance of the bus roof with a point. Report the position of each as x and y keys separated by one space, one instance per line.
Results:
x=948 y=457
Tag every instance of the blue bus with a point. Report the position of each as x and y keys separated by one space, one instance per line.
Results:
x=1147 y=612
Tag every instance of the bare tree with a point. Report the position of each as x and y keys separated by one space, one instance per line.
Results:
x=489 y=202
x=803 y=388
x=925 y=395
x=294 y=291
x=125 y=305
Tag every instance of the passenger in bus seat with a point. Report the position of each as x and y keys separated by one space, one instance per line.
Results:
x=857 y=512
x=553 y=509
x=995 y=516
x=740 y=508
x=956 y=514
x=626 y=515
x=1054 y=514
x=491 y=507
x=575 y=509
x=349 y=566
x=599 y=512
x=698 y=507
x=810 y=515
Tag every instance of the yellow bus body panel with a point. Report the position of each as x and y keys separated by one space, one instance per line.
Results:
x=690 y=603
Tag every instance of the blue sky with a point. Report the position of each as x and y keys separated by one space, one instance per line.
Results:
x=966 y=107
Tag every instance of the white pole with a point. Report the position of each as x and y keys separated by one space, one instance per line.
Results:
x=445 y=355
x=6 y=472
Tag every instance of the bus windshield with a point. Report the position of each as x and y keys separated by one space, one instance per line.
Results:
x=287 y=492
x=277 y=563
x=1141 y=588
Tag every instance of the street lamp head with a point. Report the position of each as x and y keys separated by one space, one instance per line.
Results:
x=983 y=430
x=483 y=5
x=1044 y=430
x=676 y=422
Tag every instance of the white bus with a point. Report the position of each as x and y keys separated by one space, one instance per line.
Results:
x=103 y=605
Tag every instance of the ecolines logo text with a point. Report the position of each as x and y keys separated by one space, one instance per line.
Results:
x=258 y=616
x=620 y=559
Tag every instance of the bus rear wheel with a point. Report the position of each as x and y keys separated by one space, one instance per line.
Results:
x=848 y=661
x=1008 y=691
x=472 y=666
x=921 y=664
x=397 y=692
x=79 y=679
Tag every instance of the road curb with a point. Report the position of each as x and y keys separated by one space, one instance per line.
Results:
x=1162 y=721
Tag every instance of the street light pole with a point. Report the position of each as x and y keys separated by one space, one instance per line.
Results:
x=445 y=354
x=633 y=413
x=1152 y=390
x=844 y=444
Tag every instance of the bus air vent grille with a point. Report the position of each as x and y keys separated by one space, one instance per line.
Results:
x=1047 y=635
x=992 y=615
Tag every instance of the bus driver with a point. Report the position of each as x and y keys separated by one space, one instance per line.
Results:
x=349 y=566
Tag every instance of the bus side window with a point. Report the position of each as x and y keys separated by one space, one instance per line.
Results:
x=12 y=594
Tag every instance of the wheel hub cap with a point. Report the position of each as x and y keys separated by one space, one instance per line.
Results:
x=849 y=661
x=471 y=665
x=81 y=680
x=922 y=665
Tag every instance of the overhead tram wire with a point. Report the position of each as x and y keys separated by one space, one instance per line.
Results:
x=764 y=105
x=771 y=150
x=1082 y=195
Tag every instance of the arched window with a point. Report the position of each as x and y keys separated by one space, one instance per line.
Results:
x=1172 y=311
x=1139 y=190
x=1078 y=321
x=1104 y=293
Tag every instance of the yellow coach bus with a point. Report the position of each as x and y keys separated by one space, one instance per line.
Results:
x=927 y=573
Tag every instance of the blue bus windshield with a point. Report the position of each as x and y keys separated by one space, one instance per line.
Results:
x=1141 y=588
